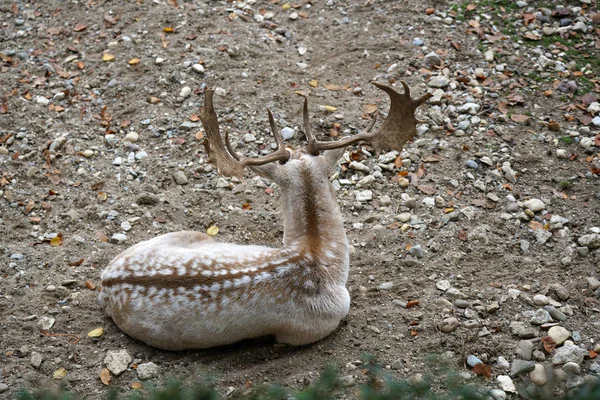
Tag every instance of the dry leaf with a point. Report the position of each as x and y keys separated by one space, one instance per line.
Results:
x=213 y=230
x=483 y=370
x=102 y=196
x=105 y=376
x=29 y=206
x=502 y=106
x=107 y=57
x=194 y=118
x=168 y=29
x=519 y=118
x=96 y=332
x=412 y=303
x=134 y=61
x=369 y=108
x=199 y=135
x=532 y=36
x=79 y=27
x=102 y=237
x=153 y=100
x=474 y=23
x=462 y=235
x=56 y=241
x=246 y=206
x=313 y=83
x=59 y=373
x=330 y=108
x=427 y=189
x=536 y=225
x=136 y=385
x=332 y=87
x=549 y=344
x=3 y=108
x=90 y=285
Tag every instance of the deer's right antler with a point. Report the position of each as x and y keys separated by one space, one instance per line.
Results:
x=227 y=161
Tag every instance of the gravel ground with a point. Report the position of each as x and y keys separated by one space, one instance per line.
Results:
x=478 y=242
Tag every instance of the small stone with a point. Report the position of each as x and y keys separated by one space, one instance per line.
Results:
x=439 y=81
x=404 y=183
x=541 y=317
x=386 y=286
x=45 y=323
x=471 y=324
x=416 y=251
x=118 y=238
x=87 y=153
x=448 y=325
x=293 y=16
x=562 y=153
x=472 y=361
x=36 y=359
x=3 y=387
x=539 y=355
x=538 y=375
x=432 y=59
x=180 y=178
x=117 y=361
x=591 y=240
x=41 y=100
x=185 y=92
x=502 y=363
x=506 y=383
x=540 y=300
x=460 y=303
x=132 y=137
x=519 y=367
x=559 y=334
x=397 y=365
x=288 y=133
x=364 y=195
x=147 y=371
x=117 y=161
x=472 y=164
x=443 y=285
x=33 y=172
x=561 y=292
x=497 y=394
x=542 y=235
x=159 y=60
x=555 y=314
x=198 y=68
x=572 y=368
x=348 y=380
x=489 y=56
x=575 y=381
x=418 y=42
x=524 y=349
x=493 y=307
x=534 y=205
x=569 y=353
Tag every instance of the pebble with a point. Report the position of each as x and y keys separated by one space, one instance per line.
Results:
x=416 y=251
x=524 y=349
x=540 y=300
x=439 y=81
x=386 y=285
x=443 y=285
x=180 y=178
x=541 y=317
x=591 y=240
x=293 y=16
x=185 y=92
x=506 y=383
x=471 y=324
x=472 y=361
x=448 y=325
x=472 y=164
x=147 y=371
x=538 y=375
x=502 y=363
x=41 y=100
x=572 y=368
x=575 y=381
x=117 y=161
x=418 y=42
x=132 y=137
x=36 y=359
x=519 y=367
x=88 y=153
x=569 y=353
x=45 y=323
x=432 y=59
x=561 y=292
x=198 y=68
x=288 y=133
x=559 y=334
x=497 y=394
x=460 y=303
x=555 y=314
x=118 y=238
x=3 y=387
x=117 y=361
x=534 y=205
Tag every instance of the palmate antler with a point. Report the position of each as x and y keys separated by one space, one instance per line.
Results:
x=227 y=161
x=398 y=128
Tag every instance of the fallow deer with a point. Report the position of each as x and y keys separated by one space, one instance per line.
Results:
x=183 y=290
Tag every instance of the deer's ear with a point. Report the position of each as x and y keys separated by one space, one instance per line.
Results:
x=267 y=171
x=332 y=157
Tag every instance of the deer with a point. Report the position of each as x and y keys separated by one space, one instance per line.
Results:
x=184 y=290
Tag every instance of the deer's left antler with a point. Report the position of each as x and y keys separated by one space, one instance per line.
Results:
x=398 y=128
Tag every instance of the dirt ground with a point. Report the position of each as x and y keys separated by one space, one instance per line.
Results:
x=92 y=72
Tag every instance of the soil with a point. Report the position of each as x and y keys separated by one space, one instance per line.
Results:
x=58 y=47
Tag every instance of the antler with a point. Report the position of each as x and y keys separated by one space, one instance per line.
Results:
x=227 y=161
x=398 y=128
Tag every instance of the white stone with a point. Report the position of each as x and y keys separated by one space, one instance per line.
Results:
x=594 y=108
x=534 y=205
x=199 y=68
x=147 y=371
x=364 y=195
x=41 y=100
x=118 y=238
x=538 y=375
x=132 y=137
x=185 y=92
x=117 y=361
x=506 y=383
x=87 y=153
x=46 y=323
x=443 y=285
x=559 y=334
x=288 y=133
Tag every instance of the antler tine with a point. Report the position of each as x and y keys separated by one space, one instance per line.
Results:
x=310 y=137
x=227 y=160
x=398 y=128
x=274 y=130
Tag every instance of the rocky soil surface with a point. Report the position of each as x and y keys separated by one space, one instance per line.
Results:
x=478 y=242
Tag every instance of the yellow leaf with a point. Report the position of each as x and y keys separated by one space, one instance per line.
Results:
x=56 y=241
x=59 y=373
x=136 y=385
x=105 y=376
x=286 y=6
x=107 y=57
x=332 y=87
x=102 y=196
x=213 y=230
x=330 y=108
x=133 y=61
x=96 y=332
x=369 y=108
x=168 y=29
x=313 y=83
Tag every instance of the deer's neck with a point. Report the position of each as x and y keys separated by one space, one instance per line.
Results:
x=313 y=222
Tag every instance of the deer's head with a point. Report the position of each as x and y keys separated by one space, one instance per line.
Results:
x=320 y=158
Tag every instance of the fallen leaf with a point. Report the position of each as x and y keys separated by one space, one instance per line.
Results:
x=593 y=354
x=427 y=189
x=3 y=108
x=168 y=29
x=102 y=196
x=59 y=373
x=199 y=135
x=107 y=57
x=484 y=370
x=432 y=158
x=246 y=206
x=536 y=225
x=474 y=24
x=470 y=7
x=412 y=303
x=105 y=376
x=76 y=262
x=330 y=108
x=462 y=235
x=313 y=83
x=549 y=344
x=90 y=285
x=532 y=36
x=134 y=61
x=519 y=118
x=194 y=118
x=102 y=237
x=56 y=241
x=29 y=206
x=96 y=332
x=213 y=230
x=79 y=27
x=153 y=100
x=369 y=108
x=332 y=87
x=136 y=385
